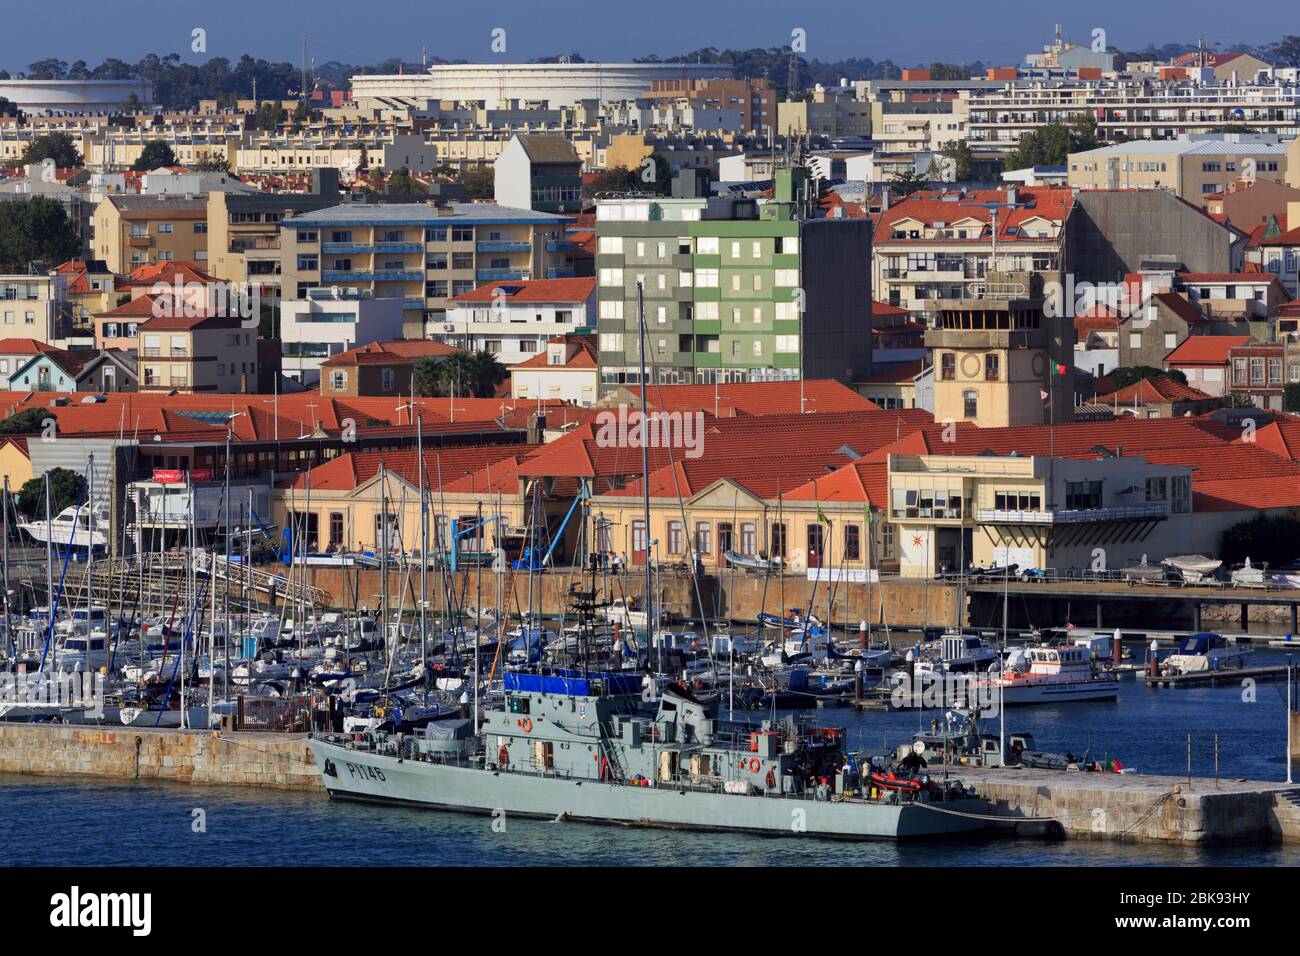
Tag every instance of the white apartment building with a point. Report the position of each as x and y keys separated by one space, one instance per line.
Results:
x=515 y=320
x=329 y=321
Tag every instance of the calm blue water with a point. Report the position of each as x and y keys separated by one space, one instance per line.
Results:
x=61 y=821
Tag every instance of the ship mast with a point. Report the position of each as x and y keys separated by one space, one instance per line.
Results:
x=645 y=470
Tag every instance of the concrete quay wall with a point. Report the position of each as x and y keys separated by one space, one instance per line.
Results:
x=183 y=756
x=1141 y=808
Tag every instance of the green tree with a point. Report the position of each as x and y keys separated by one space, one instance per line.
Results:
x=27 y=422
x=211 y=163
x=1126 y=376
x=7 y=107
x=479 y=182
x=270 y=117
x=155 y=155
x=36 y=228
x=67 y=489
x=1286 y=51
x=56 y=146
x=1052 y=144
x=963 y=160
x=1265 y=539
x=612 y=180
x=907 y=181
x=461 y=373
x=402 y=183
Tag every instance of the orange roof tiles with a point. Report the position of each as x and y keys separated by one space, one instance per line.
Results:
x=398 y=351
x=534 y=290
x=1205 y=350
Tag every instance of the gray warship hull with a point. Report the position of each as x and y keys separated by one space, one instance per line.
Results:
x=353 y=774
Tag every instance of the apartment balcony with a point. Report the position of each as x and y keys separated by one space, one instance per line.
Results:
x=352 y=276
x=267 y=243
x=561 y=274
x=138 y=242
x=1152 y=510
x=399 y=275
x=561 y=245
x=505 y=245
x=493 y=275
x=156 y=352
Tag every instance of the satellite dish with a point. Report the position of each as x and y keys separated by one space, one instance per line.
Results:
x=918 y=748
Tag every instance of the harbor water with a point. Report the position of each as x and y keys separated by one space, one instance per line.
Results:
x=63 y=821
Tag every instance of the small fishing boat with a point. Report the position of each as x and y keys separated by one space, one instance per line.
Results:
x=1204 y=651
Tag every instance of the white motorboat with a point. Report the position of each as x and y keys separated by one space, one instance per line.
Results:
x=69 y=528
x=1194 y=568
x=1249 y=576
x=1204 y=652
x=1046 y=674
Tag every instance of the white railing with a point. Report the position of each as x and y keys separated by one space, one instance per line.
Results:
x=1123 y=513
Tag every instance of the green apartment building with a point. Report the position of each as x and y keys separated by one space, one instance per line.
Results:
x=734 y=290
x=421 y=252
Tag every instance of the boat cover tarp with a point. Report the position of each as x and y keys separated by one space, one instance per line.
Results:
x=570 y=683
x=448 y=730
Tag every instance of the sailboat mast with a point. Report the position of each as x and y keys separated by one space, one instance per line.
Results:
x=424 y=551
x=382 y=545
x=645 y=464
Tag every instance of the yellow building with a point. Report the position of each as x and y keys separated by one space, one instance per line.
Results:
x=132 y=230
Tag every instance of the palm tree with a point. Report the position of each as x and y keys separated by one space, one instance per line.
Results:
x=476 y=374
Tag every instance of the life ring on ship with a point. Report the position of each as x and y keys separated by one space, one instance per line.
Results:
x=771 y=779
x=503 y=756
x=753 y=765
x=526 y=725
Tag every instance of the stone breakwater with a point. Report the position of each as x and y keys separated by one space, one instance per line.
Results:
x=135 y=753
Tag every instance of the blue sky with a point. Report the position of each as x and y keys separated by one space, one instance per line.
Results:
x=995 y=31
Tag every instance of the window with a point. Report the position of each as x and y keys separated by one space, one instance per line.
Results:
x=786 y=277
x=308 y=263
x=703 y=538
x=336 y=529
x=1181 y=494
x=887 y=540
x=389 y=378
x=611 y=308
x=611 y=277
x=1135 y=340
x=748 y=538
x=757 y=248
x=1156 y=489
x=1080 y=495
x=970 y=404
x=991 y=360
x=787 y=344
x=852 y=542
x=706 y=278
x=611 y=342
x=676 y=538
x=707 y=245
x=639 y=540
x=611 y=245
x=338 y=381
x=776 y=537
x=1171 y=340
x=948 y=367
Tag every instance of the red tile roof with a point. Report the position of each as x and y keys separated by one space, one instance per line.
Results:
x=928 y=206
x=395 y=352
x=584 y=358
x=756 y=398
x=24 y=347
x=1155 y=390
x=534 y=290
x=1204 y=350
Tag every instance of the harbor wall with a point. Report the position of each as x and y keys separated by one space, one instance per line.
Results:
x=900 y=603
x=1143 y=809
x=281 y=761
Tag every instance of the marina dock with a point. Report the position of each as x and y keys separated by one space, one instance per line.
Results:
x=1217 y=678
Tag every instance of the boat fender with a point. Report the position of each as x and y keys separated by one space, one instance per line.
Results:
x=503 y=756
x=753 y=765
x=771 y=779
